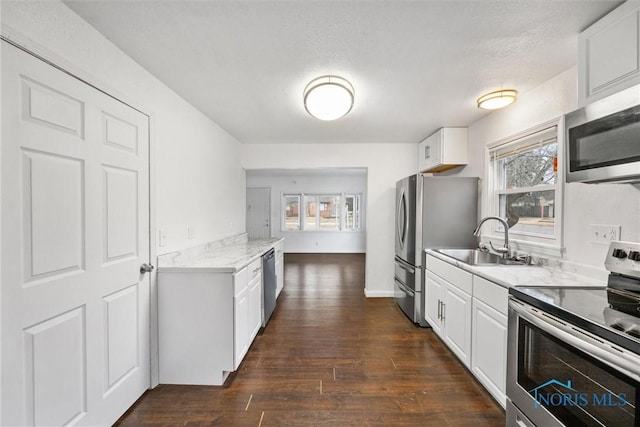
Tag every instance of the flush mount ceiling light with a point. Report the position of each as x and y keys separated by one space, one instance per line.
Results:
x=328 y=97
x=497 y=99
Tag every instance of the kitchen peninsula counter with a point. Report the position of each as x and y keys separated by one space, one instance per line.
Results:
x=228 y=256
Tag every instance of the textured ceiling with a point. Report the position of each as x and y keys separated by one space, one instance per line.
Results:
x=416 y=65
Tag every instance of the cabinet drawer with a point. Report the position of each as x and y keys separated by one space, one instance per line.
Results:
x=256 y=278
x=406 y=274
x=254 y=269
x=240 y=281
x=492 y=294
x=279 y=247
x=452 y=274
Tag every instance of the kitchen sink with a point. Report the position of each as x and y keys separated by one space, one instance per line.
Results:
x=478 y=257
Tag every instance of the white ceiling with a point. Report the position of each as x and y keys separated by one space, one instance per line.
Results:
x=416 y=65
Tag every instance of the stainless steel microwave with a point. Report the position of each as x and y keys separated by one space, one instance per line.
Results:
x=603 y=140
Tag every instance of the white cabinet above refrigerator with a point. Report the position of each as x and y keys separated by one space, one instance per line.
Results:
x=445 y=149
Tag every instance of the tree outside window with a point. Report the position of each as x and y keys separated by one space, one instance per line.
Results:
x=526 y=178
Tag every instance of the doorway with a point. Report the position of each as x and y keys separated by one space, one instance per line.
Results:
x=258 y=212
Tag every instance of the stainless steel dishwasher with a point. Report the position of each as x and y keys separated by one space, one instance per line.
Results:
x=269 y=285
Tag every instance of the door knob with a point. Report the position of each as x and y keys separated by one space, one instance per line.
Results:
x=146 y=268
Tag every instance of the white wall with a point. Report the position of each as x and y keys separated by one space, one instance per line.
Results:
x=325 y=181
x=385 y=163
x=584 y=204
x=199 y=179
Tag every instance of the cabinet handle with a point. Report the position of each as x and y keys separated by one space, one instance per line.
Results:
x=439 y=309
x=444 y=309
x=427 y=152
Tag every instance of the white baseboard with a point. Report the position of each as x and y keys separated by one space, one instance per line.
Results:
x=378 y=294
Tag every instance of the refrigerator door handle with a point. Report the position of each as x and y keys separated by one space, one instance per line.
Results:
x=405 y=266
x=404 y=288
x=402 y=228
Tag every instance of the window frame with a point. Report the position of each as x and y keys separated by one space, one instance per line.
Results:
x=302 y=197
x=357 y=202
x=283 y=216
x=521 y=240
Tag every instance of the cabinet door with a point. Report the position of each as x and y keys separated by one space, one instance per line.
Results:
x=457 y=322
x=433 y=296
x=279 y=274
x=609 y=54
x=241 y=326
x=429 y=152
x=255 y=308
x=489 y=349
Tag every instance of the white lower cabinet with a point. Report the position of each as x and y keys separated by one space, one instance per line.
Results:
x=489 y=349
x=433 y=302
x=279 y=247
x=247 y=305
x=448 y=312
x=469 y=314
x=207 y=322
x=457 y=320
x=255 y=306
x=240 y=326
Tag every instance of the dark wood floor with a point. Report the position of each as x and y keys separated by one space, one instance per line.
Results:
x=331 y=357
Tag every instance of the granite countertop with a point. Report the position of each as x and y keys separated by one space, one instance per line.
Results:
x=225 y=258
x=528 y=275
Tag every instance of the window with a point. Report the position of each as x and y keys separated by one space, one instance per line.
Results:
x=351 y=212
x=321 y=212
x=526 y=184
x=292 y=212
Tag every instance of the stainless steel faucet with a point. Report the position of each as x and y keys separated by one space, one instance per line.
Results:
x=503 y=250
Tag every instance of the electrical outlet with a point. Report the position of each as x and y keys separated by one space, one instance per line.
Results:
x=191 y=233
x=162 y=238
x=604 y=233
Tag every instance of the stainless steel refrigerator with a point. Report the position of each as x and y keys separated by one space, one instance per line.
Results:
x=431 y=213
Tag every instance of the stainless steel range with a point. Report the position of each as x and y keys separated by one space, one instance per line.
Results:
x=574 y=354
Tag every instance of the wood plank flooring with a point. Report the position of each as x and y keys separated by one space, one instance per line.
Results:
x=331 y=357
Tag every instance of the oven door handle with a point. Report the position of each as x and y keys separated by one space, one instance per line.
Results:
x=618 y=359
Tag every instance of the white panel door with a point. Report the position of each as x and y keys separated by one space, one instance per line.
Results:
x=75 y=230
x=258 y=212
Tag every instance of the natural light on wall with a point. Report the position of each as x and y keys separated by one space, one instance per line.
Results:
x=328 y=97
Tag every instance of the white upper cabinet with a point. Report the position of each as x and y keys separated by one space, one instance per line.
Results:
x=609 y=54
x=445 y=149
